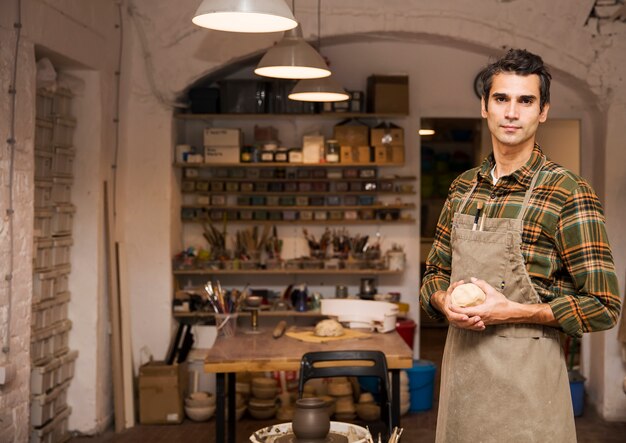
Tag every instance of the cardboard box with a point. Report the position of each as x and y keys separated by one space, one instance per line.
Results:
x=162 y=390
x=312 y=148
x=351 y=133
x=389 y=154
x=388 y=94
x=221 y=154
x=384 y=134
x=346 y=154
x=363 y=154
x=222 y=137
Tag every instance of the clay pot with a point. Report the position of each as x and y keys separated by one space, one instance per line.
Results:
x=310 y=419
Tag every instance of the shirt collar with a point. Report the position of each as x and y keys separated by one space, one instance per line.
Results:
x=523 y=175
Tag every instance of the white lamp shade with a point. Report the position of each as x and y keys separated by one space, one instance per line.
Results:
x=292 y=58
x=318 y=90
x=245 y=15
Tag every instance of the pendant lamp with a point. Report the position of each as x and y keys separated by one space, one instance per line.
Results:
x=292 y=58
x=318 y=90
x=245 y=15
x=323 y=89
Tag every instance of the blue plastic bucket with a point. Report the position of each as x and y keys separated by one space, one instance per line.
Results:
x=577 y=389
x=421 y=385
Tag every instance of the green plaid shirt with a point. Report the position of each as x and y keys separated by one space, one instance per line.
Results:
x=564 y=243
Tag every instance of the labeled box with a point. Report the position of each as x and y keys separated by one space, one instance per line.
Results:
x=388 y=94
x=162 y=389
x=351 y=133
x=221 y=154
x=389 y=135
x=222 y=137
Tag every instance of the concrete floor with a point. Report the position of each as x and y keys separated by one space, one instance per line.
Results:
x=418 y=427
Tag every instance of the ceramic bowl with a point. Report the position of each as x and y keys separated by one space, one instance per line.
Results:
x=339 y=389
x=366 y=397
x=264 y=392
x=262 y=403
x=201 y=413
x=199 y=399
x=238 y=412
x=261 y=413
x=368 y=411
x=264 y=382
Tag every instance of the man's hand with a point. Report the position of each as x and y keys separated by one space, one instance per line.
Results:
x=495 y=310
x=441 y=301
x=498 y=309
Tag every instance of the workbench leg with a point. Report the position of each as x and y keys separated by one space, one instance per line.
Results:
x=220 y=410
x=232 y=406
x=395 y=398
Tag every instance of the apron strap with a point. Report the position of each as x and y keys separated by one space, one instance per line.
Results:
x=467 y=195
x=529 y=191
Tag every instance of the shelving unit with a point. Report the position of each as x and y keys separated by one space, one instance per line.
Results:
x=213 y=194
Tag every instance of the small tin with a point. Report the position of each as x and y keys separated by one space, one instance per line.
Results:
x=246 y=187
x=367 y=173
x=319 y=187
x=295 y=156
x=385 y=185
x=287 y=201
x=245 y=215
x=320 y=215
x=232 y=186
x=275 y=187
x=290 y=215
x=222 y=173
x=203 y=200
x=316 y=201
x=202 y=186
x=318 y=173
x=303 y=173
x=366 y=200
x=216 y=215
x=243 y=201
x=370 y=186
x=266 y=173
x=272 y=200
x=274 y=215
x=333 y=200
x=342 y=186
x=335 y=215
x=252 y=173
x=351 y=215
x=306 y=215
x=302 y=200
x=218 y=200
x=188 y=186
x=231 y=214
x=191 y=172
x=366 y=214
x=259 y=215
x=280 y=173
x=291 y=186
x=237 y=173
x=304 y=186
x=217 y=186
x=350 y=200
x=356 y=186
x=350 y=173
x=257 y=201
x=281 y=156
x=261 y=187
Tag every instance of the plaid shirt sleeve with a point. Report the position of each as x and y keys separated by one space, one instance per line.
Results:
x=583 y=247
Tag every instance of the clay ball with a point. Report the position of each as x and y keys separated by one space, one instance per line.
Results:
x=329 y=328
x=467 y=295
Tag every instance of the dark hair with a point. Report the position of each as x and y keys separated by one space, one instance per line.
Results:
x=521 y=62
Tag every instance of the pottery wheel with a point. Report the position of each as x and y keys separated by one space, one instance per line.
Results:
x=332 y=437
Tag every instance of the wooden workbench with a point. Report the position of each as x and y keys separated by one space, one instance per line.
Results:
x=261 y=352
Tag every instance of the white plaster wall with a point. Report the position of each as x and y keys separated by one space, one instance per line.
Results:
x=586 y=58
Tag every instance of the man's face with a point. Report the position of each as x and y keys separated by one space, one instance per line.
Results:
x=513 y=115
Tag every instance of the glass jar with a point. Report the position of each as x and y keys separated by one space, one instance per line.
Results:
x=332 y=151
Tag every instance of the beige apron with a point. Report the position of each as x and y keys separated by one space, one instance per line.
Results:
x=507 y=383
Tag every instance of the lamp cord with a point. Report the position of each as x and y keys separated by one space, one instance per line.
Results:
x=319 y=25
x=6 y=340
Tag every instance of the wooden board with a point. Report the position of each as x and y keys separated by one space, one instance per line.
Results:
x=310 y=337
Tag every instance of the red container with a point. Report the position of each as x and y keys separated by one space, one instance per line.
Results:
x=406 y=329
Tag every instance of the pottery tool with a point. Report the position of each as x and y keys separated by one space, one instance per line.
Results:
x=477 y=217
x=279 y=330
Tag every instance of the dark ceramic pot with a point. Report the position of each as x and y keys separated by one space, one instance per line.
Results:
x=310 y=419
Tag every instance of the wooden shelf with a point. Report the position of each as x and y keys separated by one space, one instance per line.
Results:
x=324 y=115
x=403 y=221
x=302 y=208
x=296 y=193
x=395 y=178
x=283 y=165
x=286 y=272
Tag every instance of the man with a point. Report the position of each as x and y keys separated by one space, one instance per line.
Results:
x=538 y=249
